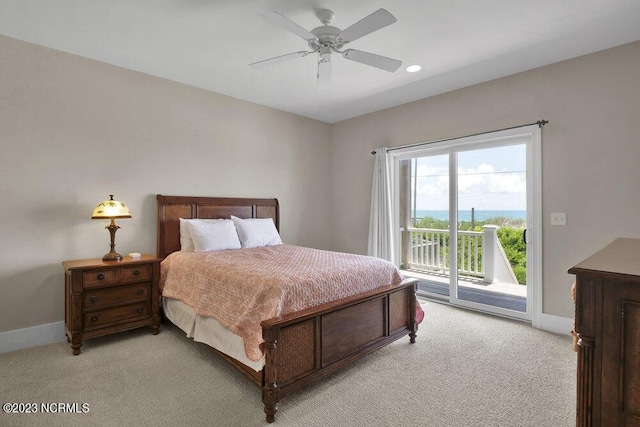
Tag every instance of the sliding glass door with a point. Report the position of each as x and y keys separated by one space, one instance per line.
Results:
x=492 y=222
x=468 y=219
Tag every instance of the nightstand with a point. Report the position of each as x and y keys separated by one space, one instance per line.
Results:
x=105 y=297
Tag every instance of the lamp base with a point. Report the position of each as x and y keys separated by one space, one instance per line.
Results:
x=112 y=256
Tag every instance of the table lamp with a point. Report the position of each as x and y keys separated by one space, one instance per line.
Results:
x=111 y=209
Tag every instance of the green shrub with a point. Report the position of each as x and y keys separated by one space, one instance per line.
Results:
x=516 y=251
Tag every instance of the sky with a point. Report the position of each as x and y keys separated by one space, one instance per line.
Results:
x=488 y=179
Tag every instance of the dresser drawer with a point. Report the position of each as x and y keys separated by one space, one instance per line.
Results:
x=116 y=295
x=99 y=277
x=96 y=319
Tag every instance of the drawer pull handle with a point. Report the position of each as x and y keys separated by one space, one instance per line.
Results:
x=140 y=310
x=100 y=276
x=136 y=272
x=140 y=291
x=94 y=319
x=93 y=299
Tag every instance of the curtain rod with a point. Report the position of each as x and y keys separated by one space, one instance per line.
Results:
x=540 y=123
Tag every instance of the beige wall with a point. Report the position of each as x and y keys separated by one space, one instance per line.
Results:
x=73 y=131
x=590 y=153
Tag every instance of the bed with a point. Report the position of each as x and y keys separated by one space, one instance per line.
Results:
x=300 y=347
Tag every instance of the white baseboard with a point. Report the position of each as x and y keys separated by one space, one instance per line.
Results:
x=556 y=324
x=31 y=337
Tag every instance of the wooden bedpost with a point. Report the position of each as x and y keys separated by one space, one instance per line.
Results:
x=413 y=324
x=270 y=388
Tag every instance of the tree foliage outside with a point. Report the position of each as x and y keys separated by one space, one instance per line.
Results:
x=509 y=234
x=516 y=251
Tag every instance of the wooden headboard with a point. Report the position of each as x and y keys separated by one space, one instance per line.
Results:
x=172 y=208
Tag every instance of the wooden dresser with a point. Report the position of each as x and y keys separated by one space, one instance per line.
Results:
x=608 y=328
x=104 y=297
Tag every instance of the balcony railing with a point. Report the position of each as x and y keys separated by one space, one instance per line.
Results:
x=477 y=250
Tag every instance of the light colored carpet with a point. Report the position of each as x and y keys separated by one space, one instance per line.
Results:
x=466 y=369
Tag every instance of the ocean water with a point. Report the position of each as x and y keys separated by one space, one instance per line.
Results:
x=465 y=215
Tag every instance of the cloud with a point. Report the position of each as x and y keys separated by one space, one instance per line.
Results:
x=481 y=187
x=484 y=179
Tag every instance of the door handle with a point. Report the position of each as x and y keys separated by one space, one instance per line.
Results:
x=524 y=236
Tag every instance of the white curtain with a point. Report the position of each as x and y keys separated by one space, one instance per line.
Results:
x=380 y=220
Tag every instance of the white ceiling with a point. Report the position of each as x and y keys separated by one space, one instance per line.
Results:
x=209 y=43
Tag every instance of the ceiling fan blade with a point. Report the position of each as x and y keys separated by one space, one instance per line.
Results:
x=324 y=72
x=287 y=24
x=277 y=59
x=373 y=60
x=377 y=20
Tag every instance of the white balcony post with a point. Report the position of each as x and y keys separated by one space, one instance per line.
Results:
x=489 y=252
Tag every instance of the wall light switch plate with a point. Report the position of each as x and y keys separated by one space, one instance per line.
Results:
x=558 y=219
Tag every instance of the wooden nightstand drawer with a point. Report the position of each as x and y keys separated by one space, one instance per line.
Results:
x=99 y=277
x=141 y=273
x=116 y=295
x=96 y=319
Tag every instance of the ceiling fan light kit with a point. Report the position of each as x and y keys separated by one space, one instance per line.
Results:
x=326 y=39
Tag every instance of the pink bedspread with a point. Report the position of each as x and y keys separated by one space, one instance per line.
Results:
x=242 y=287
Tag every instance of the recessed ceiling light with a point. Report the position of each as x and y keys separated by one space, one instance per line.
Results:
x=413 y=68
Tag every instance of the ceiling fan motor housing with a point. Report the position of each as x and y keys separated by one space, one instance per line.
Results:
x=327 y=36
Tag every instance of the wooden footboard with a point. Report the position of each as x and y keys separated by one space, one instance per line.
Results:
x=305 y=346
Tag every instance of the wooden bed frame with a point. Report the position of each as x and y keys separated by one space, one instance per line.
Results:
x=305 y=346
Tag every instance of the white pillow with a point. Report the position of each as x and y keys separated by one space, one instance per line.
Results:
x=213 y=235
x=186 y=244
x=255 y=232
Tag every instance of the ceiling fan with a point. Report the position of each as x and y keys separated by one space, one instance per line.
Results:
x=327 y=39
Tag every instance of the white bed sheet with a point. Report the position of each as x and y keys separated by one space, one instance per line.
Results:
x=209 y=331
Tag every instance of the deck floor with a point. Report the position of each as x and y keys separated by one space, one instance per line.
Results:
x=510 y=296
